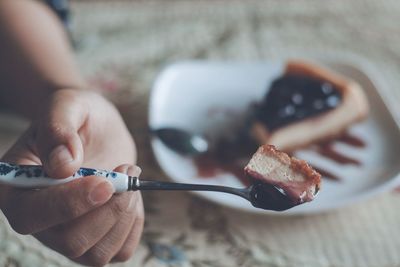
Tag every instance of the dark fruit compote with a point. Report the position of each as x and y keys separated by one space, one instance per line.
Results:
x=269 y=197
x=292 y=98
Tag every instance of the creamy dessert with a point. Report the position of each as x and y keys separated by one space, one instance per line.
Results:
x=306 y=105
x=281 y=181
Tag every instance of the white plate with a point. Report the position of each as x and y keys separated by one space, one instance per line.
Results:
x=189 y=95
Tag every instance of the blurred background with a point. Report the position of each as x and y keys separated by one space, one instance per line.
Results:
x=121 y=46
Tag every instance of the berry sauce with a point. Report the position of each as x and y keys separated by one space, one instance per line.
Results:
x=269 y=197
x=293 y=97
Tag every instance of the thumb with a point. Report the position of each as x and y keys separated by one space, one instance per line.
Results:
x=58 y=142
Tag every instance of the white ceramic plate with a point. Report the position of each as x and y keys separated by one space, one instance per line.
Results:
x=196 y=95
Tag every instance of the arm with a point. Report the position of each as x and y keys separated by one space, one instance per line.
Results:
x=70 y=128
x=35 y=56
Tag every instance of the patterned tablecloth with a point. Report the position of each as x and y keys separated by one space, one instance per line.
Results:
x=122 y=46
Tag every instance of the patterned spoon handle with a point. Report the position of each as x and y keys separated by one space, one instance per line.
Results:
x=33 y=176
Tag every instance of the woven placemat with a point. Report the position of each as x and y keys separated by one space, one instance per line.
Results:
x=121 y=46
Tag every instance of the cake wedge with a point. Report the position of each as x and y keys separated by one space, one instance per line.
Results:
x=308 y=104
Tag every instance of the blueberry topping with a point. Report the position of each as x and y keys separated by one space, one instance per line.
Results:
x=333 y=101
x=294 y=97
x=318 y=104
x=327 y=88
x=297 y=99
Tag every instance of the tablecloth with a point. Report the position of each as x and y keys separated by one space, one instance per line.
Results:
x=121 y=46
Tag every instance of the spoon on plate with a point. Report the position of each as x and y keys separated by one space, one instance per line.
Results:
x=260 y=195
x=182 y=141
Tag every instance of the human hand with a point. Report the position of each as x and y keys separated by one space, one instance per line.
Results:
x=80 y=219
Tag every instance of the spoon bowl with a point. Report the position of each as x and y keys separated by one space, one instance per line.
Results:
x=182 y=141
x=260 y=195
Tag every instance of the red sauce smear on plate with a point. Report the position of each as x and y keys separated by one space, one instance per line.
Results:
x=209 y=167
x=231 y=157
x=351 y=140
x=327 y=150
x=327 y=174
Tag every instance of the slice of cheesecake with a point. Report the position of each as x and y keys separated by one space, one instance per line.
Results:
x=284 y=181
x=306 y=105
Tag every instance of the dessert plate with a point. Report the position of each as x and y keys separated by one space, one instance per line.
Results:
x=212 y=97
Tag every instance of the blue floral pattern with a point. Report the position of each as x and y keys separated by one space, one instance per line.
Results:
x=27 y=170
x=33 y=171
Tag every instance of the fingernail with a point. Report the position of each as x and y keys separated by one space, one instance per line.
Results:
x=60 y=156
x=134 y=171
x=101 y=193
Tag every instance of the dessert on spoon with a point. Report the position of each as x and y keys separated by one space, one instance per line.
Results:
x=280 y=182
x=283 y=180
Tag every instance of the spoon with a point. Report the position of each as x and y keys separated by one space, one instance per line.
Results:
x=260 y=195
x=182 y=141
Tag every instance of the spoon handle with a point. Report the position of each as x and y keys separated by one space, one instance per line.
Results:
x=33 y=177
x=157 y=185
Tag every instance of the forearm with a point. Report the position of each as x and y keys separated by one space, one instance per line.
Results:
x=35 y=56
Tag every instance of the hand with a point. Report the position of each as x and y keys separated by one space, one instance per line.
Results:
x=82 y=219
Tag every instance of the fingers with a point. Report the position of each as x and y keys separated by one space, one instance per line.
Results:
x=29 y=212
x=58 y=142
x=23 y=151
x=104 y=250
x=132 y=241
x=96 y=237
x=113 y=242
x=54 y=140
x=75 y=238
x=20 y=153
